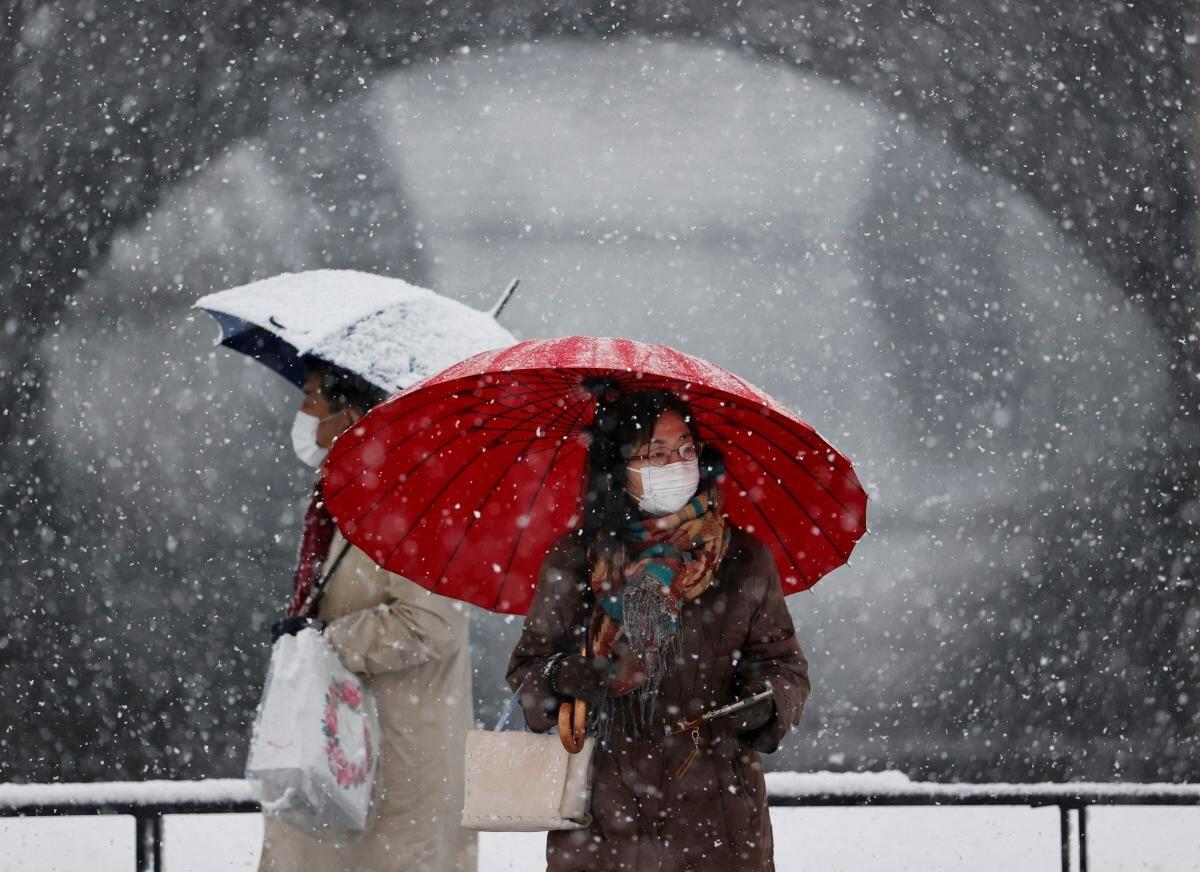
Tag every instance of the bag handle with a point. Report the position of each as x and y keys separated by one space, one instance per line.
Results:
x=508 y=710
x=318 y=590
x=502 y=722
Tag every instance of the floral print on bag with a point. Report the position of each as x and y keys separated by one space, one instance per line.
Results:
x=348 y=773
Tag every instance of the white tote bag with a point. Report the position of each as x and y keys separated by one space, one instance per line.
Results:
x=314 y=752
x=518 y=781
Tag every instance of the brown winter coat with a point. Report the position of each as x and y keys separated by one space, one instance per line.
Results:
x=715 y=817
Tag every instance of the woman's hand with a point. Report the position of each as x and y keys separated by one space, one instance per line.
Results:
x=584 y=678
x=757 y=715
x=292 y=626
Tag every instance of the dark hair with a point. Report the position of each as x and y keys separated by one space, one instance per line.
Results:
x=343 y=388
x=622 y=423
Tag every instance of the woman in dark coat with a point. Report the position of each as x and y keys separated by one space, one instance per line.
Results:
x=682 y=614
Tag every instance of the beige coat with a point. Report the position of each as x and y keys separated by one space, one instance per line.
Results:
x=412 y=647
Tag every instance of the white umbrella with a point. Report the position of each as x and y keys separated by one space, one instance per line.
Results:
x=391 y=333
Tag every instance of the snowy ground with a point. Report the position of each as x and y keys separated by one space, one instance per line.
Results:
x=828 y=839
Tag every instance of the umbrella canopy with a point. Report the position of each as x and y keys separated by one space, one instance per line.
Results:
x=465 y=481
x=391 y=333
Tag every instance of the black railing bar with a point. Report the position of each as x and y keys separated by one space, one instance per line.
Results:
x=150 y=809
x=148 y=840
x=1081 y=791
x=229 y=792
x=1064 y=838
x=1083 y=861
x=1035 y=800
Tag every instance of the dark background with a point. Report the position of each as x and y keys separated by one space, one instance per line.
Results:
x=957 y=237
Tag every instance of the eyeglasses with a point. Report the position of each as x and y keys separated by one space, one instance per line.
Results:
x=660 y=455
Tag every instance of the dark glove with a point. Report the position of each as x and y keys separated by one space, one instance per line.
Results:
x=584 y=678
x=757 y=716
x=292 y=626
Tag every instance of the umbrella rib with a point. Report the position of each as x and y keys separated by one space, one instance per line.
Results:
x=803 y=438
x=444 y=487
x=387 y=426
x=804 y=441
x=382 y=459
x=549 y=466
x=556 y=380
x=530 y=378
x=539 y=450
x=553 y=386
x=775 y=530
x=524 y=411
x=799 y=505
x=549 y=426
x=391 y=490
x=454 y=389
x=812 y=440
x=805 y=469
x=543 y=391
x=351 y=446
x=495 y=485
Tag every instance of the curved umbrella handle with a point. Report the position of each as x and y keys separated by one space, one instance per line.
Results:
x=572 y=719
x=572 y=725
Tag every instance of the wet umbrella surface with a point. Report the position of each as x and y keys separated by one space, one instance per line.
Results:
x=465 y=481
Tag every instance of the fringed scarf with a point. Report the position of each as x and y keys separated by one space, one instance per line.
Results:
x=641 y=588
x=315 y=542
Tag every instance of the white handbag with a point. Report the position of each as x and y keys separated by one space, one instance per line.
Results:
x=314 y=751
x=519 y=781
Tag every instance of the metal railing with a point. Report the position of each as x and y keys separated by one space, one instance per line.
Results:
x=1072 y=799
x=148 y=802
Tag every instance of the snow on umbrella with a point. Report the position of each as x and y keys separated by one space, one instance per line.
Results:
x=391 y=333
x=465 y=481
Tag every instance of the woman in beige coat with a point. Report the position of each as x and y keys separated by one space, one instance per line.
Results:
x=411 y=647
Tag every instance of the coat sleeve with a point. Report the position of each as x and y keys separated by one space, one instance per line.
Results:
x=396 y=634
x=552 y=628
x=773 y=654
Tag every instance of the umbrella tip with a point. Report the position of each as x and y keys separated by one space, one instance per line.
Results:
x=504 y=298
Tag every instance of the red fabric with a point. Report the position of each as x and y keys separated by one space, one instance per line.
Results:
x=315 y=542
x=463 y=482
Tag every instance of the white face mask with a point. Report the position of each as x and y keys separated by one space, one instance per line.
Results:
x=667 y=489
x=304 y=438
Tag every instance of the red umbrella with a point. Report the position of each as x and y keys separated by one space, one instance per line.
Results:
x=463 y=482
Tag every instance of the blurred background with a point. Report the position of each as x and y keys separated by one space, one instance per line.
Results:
x=970 y=269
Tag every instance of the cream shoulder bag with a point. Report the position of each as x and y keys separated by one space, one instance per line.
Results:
x=519 y=781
